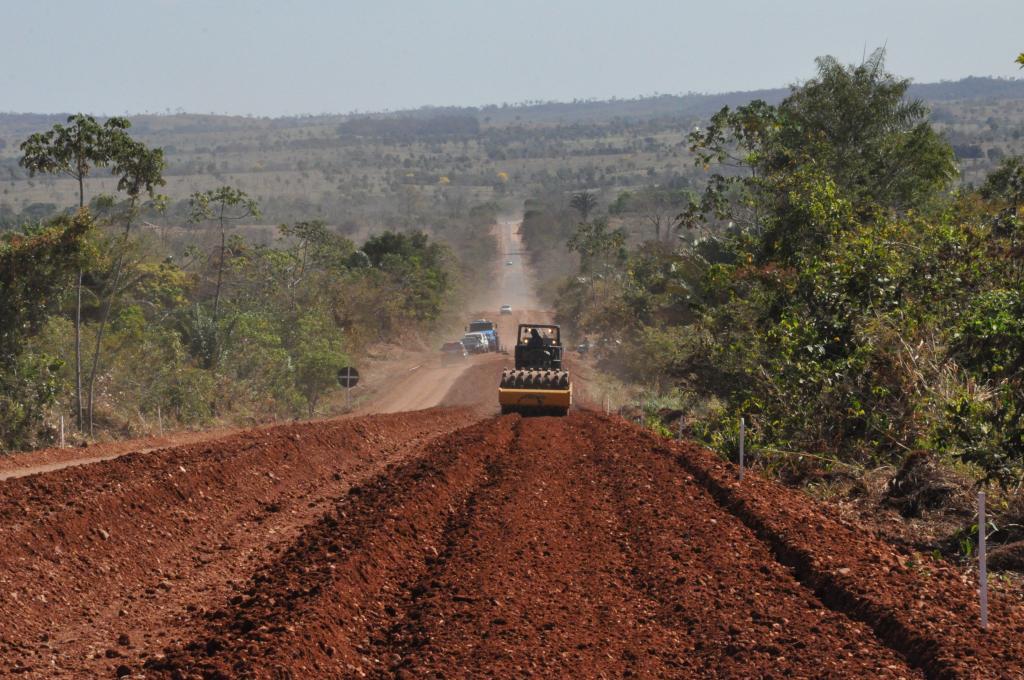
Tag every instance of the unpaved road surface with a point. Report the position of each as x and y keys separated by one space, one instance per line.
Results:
x=426 y=383
x=440 y=544
x=451 y=542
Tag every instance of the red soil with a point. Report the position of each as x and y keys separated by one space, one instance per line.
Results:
x=436 y=544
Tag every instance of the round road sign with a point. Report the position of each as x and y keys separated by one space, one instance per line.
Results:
x=348 y=377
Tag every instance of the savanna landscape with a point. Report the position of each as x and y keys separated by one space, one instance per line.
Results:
x=793 y=320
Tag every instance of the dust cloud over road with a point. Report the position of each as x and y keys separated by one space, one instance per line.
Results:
x=425 y=383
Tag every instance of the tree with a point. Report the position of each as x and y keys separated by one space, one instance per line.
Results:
x=584 y=203
x=315 y=245
x=139 y=170
x=857 y=124
x=736 y=141
x=1020 y=59
x=35 y=269
x=225 y=205
x=598 y=247
x=658 y=206
x=74 y=150
x=848 y=136
x=318 y=356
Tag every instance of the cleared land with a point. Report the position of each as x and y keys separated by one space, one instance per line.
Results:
x=434 y=543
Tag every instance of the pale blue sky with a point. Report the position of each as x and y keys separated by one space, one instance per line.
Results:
x=320 y=56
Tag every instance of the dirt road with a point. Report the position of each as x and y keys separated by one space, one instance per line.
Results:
x=427 y=381
x=451 y=542
x=436 y=544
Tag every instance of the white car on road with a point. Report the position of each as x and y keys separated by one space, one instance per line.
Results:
x=475 y=343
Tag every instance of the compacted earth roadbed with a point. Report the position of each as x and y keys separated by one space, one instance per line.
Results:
x=436 y=544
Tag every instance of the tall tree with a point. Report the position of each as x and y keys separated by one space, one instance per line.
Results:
x=35 y=269
x=584 y=203
x=848 y=137
x=74 y=150
x=139 y=170
x=658 y=206
x=857 y=123
x=224 y=205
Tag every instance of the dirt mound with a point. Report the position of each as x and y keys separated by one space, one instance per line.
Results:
x=123 y=549
x=1009 y=557
x=923 y=483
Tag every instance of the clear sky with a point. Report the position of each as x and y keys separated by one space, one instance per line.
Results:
x=335 y=56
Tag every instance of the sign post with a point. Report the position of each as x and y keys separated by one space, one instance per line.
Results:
x=982 y=559
x=348 y=377
x=743 y=436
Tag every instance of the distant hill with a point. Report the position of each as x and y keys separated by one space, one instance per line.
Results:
x=368 y=170
x=690 y=105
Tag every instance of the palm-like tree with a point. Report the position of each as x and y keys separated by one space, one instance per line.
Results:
x=584 y=202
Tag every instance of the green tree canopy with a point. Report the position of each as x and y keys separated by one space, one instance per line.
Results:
x=74 y=149
x=856 y=123
x=36 y=268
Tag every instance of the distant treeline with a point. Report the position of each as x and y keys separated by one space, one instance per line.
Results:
x=409 y=127
x=427 y=121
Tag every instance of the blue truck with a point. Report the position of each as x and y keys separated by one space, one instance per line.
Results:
x=488 y=328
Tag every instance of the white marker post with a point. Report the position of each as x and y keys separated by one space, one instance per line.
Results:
x=743 y=435
x=62 y=430
x=159 y=421
x=982 y=566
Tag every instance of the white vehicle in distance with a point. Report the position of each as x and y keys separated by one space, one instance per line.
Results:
x=508 y=263
x=475 y=343
x=506 y=309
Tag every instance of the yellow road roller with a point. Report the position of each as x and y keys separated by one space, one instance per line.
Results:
x=538 y=385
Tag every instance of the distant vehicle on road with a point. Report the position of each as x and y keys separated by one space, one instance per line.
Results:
x=452 y=352
x=506 y=309
x=508 y=263
x=476 y=343
x=488 y=328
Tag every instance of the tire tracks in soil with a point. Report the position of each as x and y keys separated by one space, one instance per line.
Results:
x=689 y=554
x=532 y=581
x=113 y=560
x=925 y=612
x=582 y=546
x=322 y=608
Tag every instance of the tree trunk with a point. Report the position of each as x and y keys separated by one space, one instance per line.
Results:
x=220 y=267
x=78 y=353
x=78 y=323
x=106 y=316
x=220 y=277
x=216 y=294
